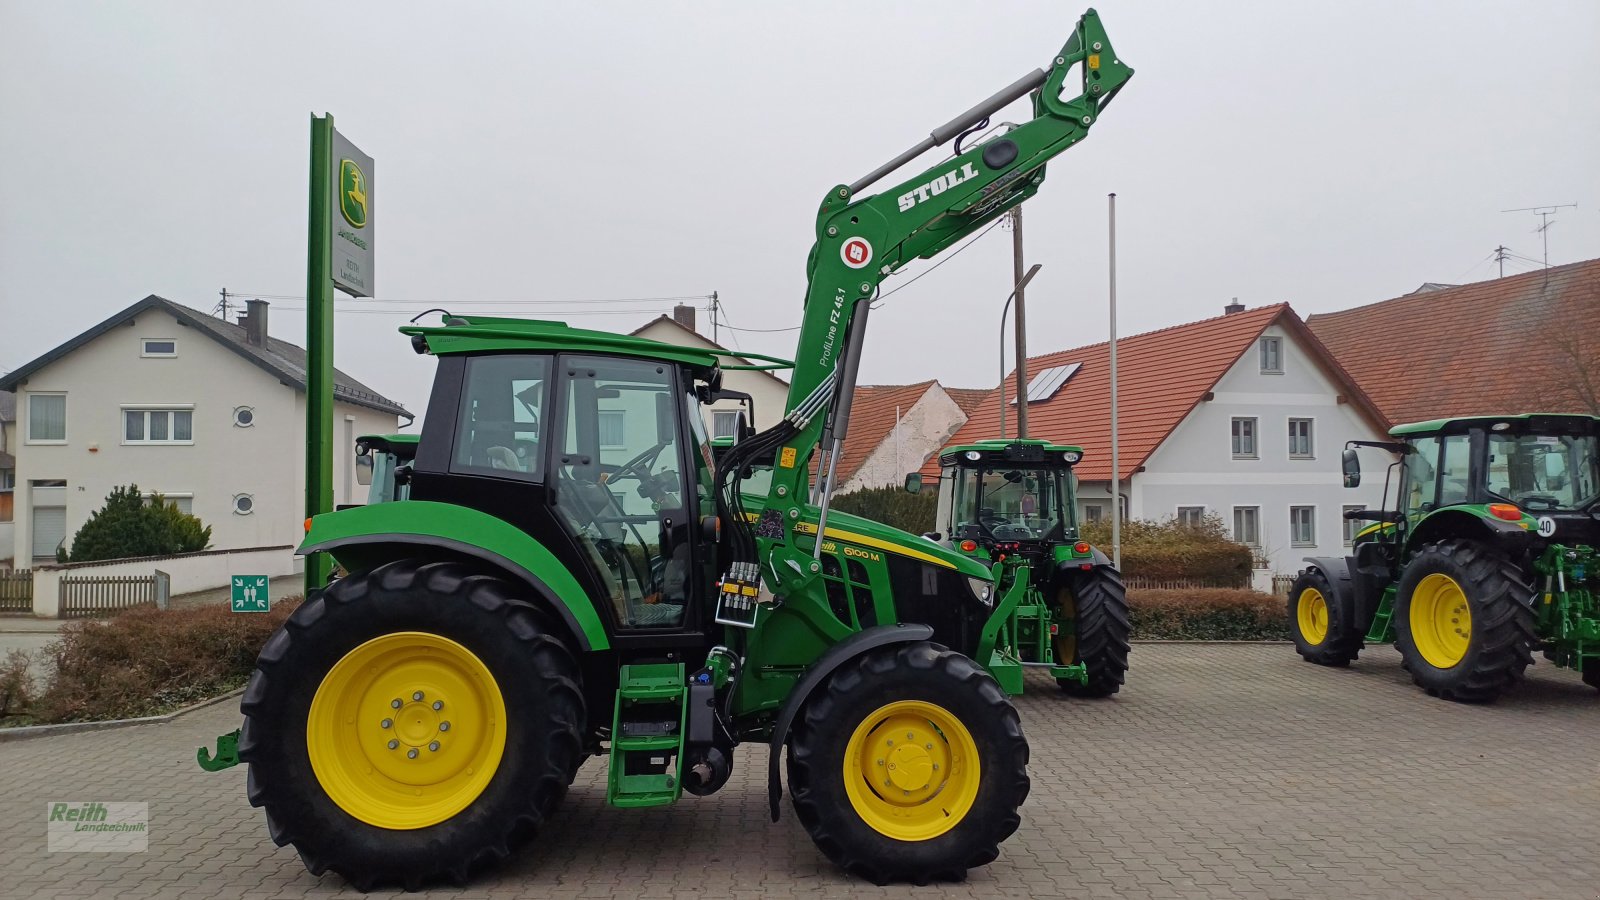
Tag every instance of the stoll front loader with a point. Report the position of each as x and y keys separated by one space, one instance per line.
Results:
x=1013 y=503
x=1489 y=553
x=571 y=576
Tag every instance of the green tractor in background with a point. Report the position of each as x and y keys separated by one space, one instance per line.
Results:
x=1488 y=554
x=1012 y=503
x=381 y=465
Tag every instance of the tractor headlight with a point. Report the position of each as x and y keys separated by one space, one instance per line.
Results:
x=1072 y=456
x=982 y=589
x=973 y=455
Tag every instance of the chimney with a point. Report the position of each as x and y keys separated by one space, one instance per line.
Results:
x=1234 y=307
x=254 y=321
x=683 y=314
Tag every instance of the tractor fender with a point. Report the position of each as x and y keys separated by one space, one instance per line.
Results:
x=1337 y=570
x=1097 y=559
x=1445 y=524
x=851 y=647
x=367 y=536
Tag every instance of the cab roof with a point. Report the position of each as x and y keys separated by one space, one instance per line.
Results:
x=1003 y=443
x=1521 y=422
x=490 y=334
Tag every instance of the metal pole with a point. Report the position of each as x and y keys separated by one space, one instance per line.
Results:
x=1022 y=323
x=1003 y=313
x=1116 y=459
x=319 y=343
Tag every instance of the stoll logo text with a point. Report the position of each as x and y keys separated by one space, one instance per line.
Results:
x=95 y=827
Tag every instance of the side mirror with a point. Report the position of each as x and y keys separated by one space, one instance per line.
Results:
x=1352 y=468
x=914 y=483
x=364 y=468
x=746 y=430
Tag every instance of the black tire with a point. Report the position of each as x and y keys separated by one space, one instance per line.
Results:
x=1340 y=643
x=538 y=682
x=1098 y=604
x=917 y=672
x=1591 y=673
x=1499 y=599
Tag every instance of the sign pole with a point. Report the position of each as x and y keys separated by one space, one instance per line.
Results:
x=319 y=342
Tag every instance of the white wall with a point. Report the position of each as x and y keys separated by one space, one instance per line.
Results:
x=189 y=572
x=769 y=393
x=924 y=429
x=1195 y=465
x=265 y=460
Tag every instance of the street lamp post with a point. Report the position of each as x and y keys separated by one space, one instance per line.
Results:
x=1021 y=283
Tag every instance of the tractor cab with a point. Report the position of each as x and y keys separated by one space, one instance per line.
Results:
x=382 y=464
x=1007 y=497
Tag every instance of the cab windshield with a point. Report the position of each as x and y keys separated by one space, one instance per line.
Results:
x=1006 y=503
x=1541 y=471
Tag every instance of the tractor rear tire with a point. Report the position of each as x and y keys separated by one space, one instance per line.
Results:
x=1097 y=602
x=909 y=765
x=1591 y=673
x=413 y=723
x=1321 y=623
x=1464 y=621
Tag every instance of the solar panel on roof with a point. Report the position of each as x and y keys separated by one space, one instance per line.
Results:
x=1044 y=385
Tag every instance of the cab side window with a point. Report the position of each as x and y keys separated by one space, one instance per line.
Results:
x=1421 y=472
x=500 y=431
x=1454 y=469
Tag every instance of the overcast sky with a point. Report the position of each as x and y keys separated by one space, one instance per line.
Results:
x=1328 y=155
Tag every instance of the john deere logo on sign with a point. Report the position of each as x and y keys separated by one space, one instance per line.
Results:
x=352 y=193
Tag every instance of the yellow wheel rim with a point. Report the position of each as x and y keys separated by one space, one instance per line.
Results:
x=1067 y=644
x=406 y=730
x=1311 y=614
x=1441 y=620
x=911 y=770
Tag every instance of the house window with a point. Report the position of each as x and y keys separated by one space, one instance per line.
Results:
x=243 y=504
x=8 y=479
x=1303 y=526
x=1094 y=512
x=1300 y=439
x=1191 y=516
x=184 y=502
x=158 y=348
x=244 y=417
x=1352 y=527
x=47 y=418
x=1247 y=525
x=157 y=426
x=1272 y=355
x=1244 y=438
x=612 y=433
x=725 y=423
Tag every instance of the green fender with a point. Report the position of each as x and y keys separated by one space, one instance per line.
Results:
x=365 y=536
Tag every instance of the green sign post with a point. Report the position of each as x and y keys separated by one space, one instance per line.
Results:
x=339 y=254
x=250 y=593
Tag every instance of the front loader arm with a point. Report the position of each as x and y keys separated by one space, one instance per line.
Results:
x=863 y=239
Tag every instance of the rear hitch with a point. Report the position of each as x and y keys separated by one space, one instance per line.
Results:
x=227 y=753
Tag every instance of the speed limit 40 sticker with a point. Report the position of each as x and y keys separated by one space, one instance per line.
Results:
x=1547 y=526
x=856 y=252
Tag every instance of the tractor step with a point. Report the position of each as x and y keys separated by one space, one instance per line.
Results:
x=647 y=730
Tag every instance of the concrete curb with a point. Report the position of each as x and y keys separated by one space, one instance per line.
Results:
x=1271 y=643
x=26 y=732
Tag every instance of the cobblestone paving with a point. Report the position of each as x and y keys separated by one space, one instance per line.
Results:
x=1220 y=771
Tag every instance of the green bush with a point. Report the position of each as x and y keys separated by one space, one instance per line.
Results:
x=1172 y=551
x=891 y=506
x=1208 y=614
x=127 y=526
x=143 y=662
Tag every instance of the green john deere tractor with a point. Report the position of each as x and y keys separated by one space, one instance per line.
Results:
x=1488 y=553
x=564 y=571
x=1012 y=503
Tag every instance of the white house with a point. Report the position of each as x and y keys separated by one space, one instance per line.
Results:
x=1243 y=416
x=207 y=412
x=768 y=392
x=8 y=470
x=894 y=428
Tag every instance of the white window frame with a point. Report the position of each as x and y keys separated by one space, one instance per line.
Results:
x=28 y=438
x=1197 y=519
x=1255 y=437
x=147 y=409
x=1255 y=544
x=1351 y=526
x=1311 y=437
x=1276 y=343
x=622 y=416
x=717 y=413
x=171 y=495
x=1294 y=539
x=1098 y=510
x=144 y=348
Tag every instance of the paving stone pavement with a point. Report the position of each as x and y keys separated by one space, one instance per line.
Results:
x=1220 y=771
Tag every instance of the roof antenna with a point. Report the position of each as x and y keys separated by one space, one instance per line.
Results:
x=1544 y=213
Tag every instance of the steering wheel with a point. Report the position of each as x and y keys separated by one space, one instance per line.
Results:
x=639 y=468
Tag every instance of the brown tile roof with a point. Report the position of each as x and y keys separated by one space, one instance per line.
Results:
x=1161 y=377
x=1522 y=343
x=872 y=419
x=968 y=398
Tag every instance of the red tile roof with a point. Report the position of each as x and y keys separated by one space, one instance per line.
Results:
x=1161 y=376
x=1522 y=343
x=968 y=398
x=872 y=420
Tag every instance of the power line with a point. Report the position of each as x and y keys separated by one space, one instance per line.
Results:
x=463 y=302
x=953 y=254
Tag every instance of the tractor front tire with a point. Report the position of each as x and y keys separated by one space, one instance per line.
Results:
x=1464 y=621
x=413 y=723
x=1321 y=623
x=1591 y=673
x=909 y=765
x=1097 y=604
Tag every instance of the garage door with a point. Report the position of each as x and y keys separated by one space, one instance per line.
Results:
x=49 y=530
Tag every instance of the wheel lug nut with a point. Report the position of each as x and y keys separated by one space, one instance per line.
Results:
x=434 y=746
x=438 y=704
x=416 y=695
x=891 y=743
x=412 y=753
x=444 y=726
x=929 y=746
x=387 y=723
x=880 y=762
x=910 y=736
x=394 y=745
x=936 y=767
x=395 y=703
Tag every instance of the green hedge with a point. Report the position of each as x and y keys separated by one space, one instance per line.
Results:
x=1209 y=614
x=1171 y=551
x=891 y=506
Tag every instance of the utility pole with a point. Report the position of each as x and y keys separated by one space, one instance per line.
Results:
x=1544 y=213
x=224 y=304
x=1022 y=322
x=1500 y=257
x=713 y=317
x=1116 y=460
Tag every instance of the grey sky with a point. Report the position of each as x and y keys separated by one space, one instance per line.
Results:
x=1328 y=154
